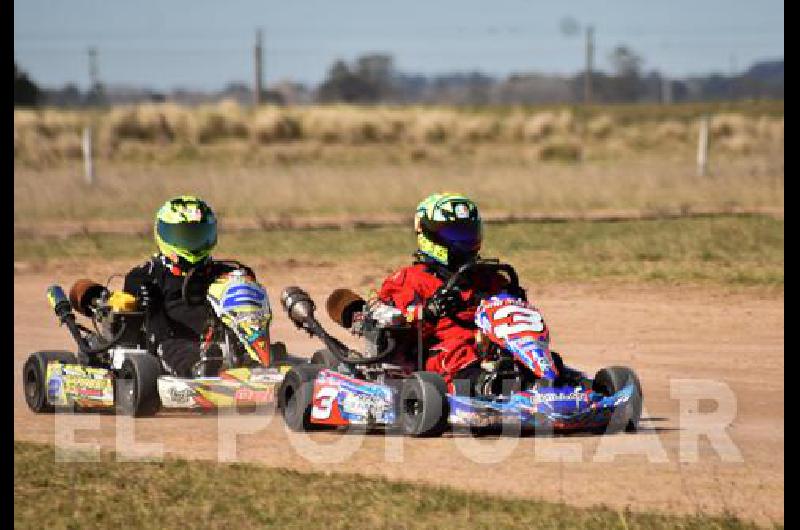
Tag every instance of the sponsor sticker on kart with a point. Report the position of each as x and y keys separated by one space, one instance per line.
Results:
x=175 y=393
x=549 y=397
x=364 y=406
x=180 y=395
x=251 y=395
x=83 y=385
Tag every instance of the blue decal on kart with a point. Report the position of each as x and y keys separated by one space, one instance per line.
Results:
x=53 y=388
x=239 y=295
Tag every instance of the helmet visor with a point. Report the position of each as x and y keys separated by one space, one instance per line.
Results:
x=461 y=236
x=191 y=237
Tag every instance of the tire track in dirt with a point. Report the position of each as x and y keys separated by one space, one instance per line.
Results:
x=663 y=332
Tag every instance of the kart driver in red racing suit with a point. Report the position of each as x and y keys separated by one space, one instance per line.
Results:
x=449 y=233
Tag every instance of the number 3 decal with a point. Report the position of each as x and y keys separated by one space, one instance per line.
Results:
x=522 y=320
x=323 y=403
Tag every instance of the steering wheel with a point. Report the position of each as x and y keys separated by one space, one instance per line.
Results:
x=198 y=299
x=489 y=265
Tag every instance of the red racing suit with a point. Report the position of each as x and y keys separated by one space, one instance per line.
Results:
x=451 y=346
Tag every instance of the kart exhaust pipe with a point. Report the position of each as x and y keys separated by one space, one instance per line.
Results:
x=299 y=306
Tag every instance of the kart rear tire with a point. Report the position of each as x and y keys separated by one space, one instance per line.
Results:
x=325 y=359
x=141 y=398
x=295 y=394
x=423 y=407
x=612 y=379
x=34 y=373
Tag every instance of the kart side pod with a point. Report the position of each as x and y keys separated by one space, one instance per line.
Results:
x=312 y=397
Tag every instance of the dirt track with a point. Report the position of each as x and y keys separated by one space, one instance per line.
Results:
x=664 y=333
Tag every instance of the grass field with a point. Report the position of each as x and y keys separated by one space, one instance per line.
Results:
x=176 y=493
x=358 y=160
x=501 y=183
x=735 y=250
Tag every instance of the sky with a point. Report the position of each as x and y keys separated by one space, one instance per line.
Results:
x=199 y=44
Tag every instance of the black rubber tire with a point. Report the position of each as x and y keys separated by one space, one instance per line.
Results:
x=33 y=377
x=611 y=380
x=325 y=359
x=277 y=353
x=295 y=394
x=423 y=408
x=140 y=399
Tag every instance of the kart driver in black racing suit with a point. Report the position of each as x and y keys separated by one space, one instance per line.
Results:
x=186 y=233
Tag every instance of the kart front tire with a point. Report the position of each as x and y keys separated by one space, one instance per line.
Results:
x=136 y=388
x=295 y=394
x=34 y=374
x=423 y=407
x=611 y=380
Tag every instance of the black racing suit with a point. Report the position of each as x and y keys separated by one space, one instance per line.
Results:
x=176 y=323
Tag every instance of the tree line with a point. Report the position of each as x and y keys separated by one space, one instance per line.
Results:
x=372 y=78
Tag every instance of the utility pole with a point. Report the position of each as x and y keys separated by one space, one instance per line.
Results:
x=96 y=89
x=93 y=71
x=732 y=84
x=666 y=91
x=94 y=97
x=587 y=87
x=257 y=57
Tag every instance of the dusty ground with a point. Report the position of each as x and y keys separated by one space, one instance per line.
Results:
x=665 y=333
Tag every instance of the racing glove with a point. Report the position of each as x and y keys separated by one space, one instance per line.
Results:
x=441 y=304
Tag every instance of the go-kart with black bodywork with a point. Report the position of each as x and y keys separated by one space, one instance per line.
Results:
x=114 y=368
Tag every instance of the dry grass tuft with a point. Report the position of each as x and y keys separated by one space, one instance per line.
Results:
x=560 y=150
x=270 y=125
x=727 y=124
x=600 y=127
x=671 y=131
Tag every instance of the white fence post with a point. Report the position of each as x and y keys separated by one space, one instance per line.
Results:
x=702 y=148
x=88 y=161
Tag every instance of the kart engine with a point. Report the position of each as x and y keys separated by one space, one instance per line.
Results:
x=114 y=314
x=118 y=325
x=382 y=326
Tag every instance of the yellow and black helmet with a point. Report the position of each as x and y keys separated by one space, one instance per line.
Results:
x=186 y=228
x=448 y=227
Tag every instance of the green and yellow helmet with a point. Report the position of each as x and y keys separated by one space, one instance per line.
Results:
x=448 y=228
x=186 y=229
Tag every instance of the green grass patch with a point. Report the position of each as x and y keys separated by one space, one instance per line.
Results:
x=734 y=250
x=176 y=493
